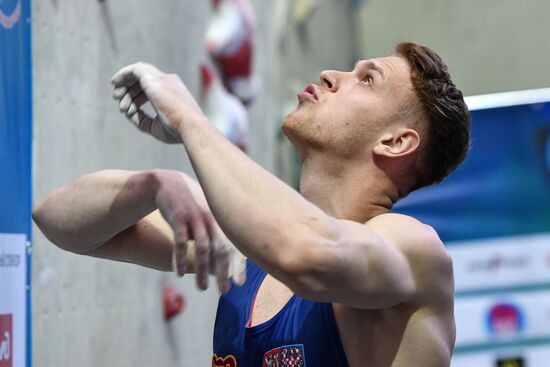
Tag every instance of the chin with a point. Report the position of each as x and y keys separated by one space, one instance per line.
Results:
x=293 y=125
x=296 y=120
x=288 y=121
x=298 y=128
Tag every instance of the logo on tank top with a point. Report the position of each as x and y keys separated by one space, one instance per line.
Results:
x=227 y=361
x=286 y=356
x=10 y=12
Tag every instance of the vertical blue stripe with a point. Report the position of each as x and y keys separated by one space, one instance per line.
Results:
x=16 y=132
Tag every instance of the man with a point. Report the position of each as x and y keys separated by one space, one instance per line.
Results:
x=334 y=278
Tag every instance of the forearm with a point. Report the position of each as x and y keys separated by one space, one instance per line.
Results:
x=88 y=212
x=266 y=219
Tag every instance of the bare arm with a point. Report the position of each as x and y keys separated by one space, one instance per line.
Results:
x=112 y=214
x=83 y=215
x=392 y=259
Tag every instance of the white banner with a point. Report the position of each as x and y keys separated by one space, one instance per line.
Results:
x=502 y=305
x=495 y=319
x=13 y=305
x=497 y=263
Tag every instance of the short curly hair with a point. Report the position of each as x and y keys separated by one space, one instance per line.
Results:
x=444 y=109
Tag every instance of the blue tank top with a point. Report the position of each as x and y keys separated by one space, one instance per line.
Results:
x=303 y=333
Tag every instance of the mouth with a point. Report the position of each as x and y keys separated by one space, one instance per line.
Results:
x=310 y=93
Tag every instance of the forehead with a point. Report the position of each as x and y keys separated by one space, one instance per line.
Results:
x=393 y=67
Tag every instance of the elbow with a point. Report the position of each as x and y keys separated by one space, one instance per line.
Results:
x=48 y=228
x=311 y=249
x=304 y=270
x=39 y=215
x=42 y=211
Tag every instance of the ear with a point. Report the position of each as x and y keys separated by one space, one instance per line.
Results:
x=398 y=143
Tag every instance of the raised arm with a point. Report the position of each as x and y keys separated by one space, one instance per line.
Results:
x=373 y=265
x=113 y=214
x=392 y=259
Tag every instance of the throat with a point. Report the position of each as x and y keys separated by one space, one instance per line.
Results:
x=351 y=202
x=356 y=193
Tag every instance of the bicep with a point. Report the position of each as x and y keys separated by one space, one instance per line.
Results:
x=368 y=269
x=388 y=261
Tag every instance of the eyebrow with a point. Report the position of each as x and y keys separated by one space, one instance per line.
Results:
x=371 y=65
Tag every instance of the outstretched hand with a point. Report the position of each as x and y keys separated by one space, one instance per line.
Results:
x=139 y=83
x=214 y=254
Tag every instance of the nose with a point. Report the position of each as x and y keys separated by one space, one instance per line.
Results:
x=329 y=79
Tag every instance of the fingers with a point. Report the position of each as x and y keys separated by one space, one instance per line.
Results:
x=130 y=99
x=134 y=90
x=130 y=74
x=137 y=102
x=202 y=252
x=142 y=120
x=181 y=236
x=119 y=92
x=125 y=103
x=133 y=107
x=221 y=264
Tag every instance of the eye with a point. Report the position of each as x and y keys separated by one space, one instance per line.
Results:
x=367 y=80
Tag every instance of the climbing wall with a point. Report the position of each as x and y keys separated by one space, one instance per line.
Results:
x=490 y=46
x=88 y=312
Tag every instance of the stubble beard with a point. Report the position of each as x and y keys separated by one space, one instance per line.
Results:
x=302 y=130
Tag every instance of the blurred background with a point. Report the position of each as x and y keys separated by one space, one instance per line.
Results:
x=245 y=61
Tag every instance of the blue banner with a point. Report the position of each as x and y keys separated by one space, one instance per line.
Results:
x=503 y=187
x=15 y=117
x=15 y=182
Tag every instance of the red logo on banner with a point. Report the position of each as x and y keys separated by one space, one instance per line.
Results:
x=505 y=320
x=6 y=344
x=9 y=20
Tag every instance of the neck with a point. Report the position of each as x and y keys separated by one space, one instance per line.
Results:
x=350 y=191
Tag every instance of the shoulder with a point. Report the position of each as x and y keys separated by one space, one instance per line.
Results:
x=408 y=234
x=429 y=260
x=406 y=230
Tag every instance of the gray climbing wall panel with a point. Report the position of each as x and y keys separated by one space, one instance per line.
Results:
x=490 y=46
x=89 y=312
